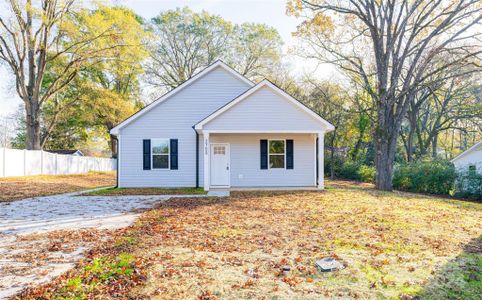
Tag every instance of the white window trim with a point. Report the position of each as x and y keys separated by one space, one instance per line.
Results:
x=284 y=153
x=168 y=154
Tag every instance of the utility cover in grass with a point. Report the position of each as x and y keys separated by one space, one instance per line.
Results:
x=328 y=264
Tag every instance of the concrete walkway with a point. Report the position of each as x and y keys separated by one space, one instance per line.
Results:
x=71 y=211
x=28 y=227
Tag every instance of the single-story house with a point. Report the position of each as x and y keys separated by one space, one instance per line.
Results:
x=470 y=159
x=220 y=130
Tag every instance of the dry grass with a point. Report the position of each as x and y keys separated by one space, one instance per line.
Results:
x=15 y=188
x=394 y=245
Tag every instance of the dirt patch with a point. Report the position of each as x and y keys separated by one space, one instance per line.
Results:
x=37 y=258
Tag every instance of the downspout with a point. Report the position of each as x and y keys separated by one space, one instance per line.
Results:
x=117 y=172
x=197 y=157
x=317 y=163
x=117 y=162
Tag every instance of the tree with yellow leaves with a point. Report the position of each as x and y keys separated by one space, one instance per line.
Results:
x=46 y=44
x=105 y=92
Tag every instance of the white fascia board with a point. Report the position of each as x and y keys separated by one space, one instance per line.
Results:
x=264 y=131
x=466 y=152
x=328 y=127
x=115 y=130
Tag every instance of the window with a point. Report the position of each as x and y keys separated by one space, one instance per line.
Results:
x=276 y=152
x=219 y=150
x=160 y=153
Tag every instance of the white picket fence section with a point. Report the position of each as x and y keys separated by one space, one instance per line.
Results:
x=15 y=162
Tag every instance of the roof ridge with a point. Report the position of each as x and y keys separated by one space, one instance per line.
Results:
x=284 y=94
x=167 y=95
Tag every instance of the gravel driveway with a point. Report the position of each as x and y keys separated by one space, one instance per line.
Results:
x=41 y=238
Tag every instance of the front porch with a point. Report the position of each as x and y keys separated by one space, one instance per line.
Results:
x=225 y=192
x=234 y=161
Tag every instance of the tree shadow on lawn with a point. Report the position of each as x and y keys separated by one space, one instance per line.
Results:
x=460 y=278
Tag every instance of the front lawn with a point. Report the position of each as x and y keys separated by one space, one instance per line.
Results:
x=15 y=188
x=146 y=191
x=394 y=245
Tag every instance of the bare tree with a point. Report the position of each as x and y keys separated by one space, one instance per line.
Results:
x=333 y=103
x=452 y=105
x=389 y=45
x=255 y=50
x=183 y=42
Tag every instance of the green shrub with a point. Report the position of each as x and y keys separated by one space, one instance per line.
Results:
x=468 y=185
x=338 y=164
x=353 y=170
x=349 y=170
x=434 y=177
x=367 y=173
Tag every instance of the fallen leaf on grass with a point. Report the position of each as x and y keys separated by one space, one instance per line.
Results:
x=292 y=281
x=207 y=295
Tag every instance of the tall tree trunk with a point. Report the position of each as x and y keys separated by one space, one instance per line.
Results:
x=358 y=144
x=113 y=145
x=332 y=155
x=33 y=125
x=385 y=139
x=356 y=149
x=434 y=146
x=32 y=102
x=410 y=138
x=332 y=165
x=384 y=159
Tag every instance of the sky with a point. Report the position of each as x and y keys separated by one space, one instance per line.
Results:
x=270 y=12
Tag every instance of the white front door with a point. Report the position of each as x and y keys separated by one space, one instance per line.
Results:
x=220 y=165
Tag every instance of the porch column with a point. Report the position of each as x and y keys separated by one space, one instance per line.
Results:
x=321 y=162
x=206 y=160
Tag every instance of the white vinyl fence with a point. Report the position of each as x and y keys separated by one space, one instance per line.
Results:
x=14 y=162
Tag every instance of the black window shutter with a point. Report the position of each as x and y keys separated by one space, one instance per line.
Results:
x=264 y=154
x=289 y=154
x=174 y=155
x=147 y=154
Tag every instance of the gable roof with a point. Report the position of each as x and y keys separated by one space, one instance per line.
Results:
x=269 y=84
x=474 y=147
x=208 y=69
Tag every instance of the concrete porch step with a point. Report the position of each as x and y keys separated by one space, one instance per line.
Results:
x=218 y=192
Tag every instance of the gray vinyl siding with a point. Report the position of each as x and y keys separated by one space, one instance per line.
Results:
x=264 y=110
x=245 y=161
x=174 y=119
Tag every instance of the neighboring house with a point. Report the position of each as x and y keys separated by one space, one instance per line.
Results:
x=220 y=130
x=470 y=159
x=67 y=152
